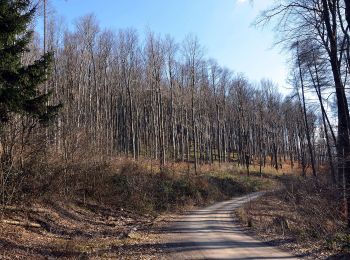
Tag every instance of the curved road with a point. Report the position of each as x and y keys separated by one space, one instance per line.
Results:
x=210 y=233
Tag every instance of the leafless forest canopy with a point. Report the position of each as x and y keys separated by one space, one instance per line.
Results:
x=165 y=100
x=153 y=97
x=157 y=98
x=149 y=123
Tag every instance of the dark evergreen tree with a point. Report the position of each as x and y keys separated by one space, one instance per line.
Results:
x=19 y=84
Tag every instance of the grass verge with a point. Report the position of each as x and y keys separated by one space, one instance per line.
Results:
x=304 y=216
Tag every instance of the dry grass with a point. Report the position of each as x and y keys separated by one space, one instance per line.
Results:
x=76 y=232
x=93 y=209
x=304 y=216
x=140 y=186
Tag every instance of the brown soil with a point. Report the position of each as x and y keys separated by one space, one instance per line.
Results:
x=77 y=231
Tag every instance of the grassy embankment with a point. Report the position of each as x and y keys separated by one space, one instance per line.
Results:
x=305 y=216
x=87 y=209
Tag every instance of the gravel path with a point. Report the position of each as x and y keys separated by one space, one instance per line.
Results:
x=210 y=233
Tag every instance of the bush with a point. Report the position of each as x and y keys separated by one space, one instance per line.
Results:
x=305 y=213
x=128 y=184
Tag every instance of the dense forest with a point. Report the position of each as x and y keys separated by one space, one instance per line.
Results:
x=164 y=100
x=156 y=98
x=88 y=93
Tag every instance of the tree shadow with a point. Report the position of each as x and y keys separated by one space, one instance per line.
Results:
x=188 y=246
x=9 y=246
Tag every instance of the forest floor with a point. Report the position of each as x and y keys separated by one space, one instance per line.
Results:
x=53 y=228
x=72 y=231
x=303 y=217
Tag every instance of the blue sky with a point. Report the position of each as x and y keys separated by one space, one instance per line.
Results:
x=224 y=28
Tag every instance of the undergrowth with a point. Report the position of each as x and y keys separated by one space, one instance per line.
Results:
x=306 y=213
x=136 y=186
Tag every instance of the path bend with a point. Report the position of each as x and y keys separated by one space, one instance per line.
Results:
x=210 y=233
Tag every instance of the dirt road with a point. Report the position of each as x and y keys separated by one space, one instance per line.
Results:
x=210 y=233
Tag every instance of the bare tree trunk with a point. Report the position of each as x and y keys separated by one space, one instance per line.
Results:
x=305 y=117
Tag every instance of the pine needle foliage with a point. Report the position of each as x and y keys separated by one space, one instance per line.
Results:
x=20 y=84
